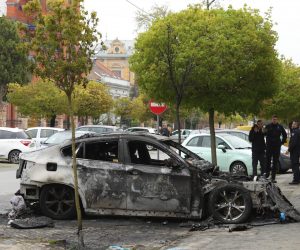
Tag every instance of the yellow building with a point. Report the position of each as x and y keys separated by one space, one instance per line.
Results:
x=116 y=57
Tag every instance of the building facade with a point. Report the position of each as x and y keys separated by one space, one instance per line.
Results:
x=116 y=58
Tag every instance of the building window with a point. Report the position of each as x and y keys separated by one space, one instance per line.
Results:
x=117 y=72
x=117 y=50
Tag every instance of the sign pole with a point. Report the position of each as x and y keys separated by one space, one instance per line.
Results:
x=157 y=119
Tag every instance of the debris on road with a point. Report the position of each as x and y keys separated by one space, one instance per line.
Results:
x=34 y=222
x=18 y=207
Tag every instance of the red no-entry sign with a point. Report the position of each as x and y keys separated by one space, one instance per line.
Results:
x=157 y=108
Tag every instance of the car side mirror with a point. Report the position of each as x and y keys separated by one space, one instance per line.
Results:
x=222 y=147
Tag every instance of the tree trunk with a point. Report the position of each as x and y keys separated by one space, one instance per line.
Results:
x=52 y=121
x=178 y=123
x=74 y=166
x=212 y=136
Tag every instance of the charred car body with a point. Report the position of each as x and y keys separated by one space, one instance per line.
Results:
x=119 y=175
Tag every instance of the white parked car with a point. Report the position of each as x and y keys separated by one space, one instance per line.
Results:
x=40 y=134
x=99 y=129
x=142 y=129
x=13 y=141
x=58 y=138
x=233 y=153
x=184 y=134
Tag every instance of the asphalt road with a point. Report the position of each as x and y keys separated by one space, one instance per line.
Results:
x=8 y=184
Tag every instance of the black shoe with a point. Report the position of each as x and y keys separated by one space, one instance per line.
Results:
x=273 y=181
x=294 y=183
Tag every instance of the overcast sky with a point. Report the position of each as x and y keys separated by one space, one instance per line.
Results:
x=117 y=18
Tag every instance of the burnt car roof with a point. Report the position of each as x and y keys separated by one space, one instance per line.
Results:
x=137 y=135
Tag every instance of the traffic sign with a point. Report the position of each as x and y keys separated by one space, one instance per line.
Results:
x=157 y=108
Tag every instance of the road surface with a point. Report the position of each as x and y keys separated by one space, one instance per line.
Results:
x=8 y=185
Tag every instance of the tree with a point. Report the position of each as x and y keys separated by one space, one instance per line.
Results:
x=238 y=68
x=123 y=108
x=63 y=45
x=92 y=100
x=165 y=58
x=286 y=102
x=14 y=63
x=140 y=110
x=145 y=19
x=46 y=100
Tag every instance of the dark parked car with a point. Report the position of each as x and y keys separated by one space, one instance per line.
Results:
x=119 y=175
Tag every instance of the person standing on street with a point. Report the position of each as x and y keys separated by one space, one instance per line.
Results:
x=257 y=138
x=275 y=137
x=294 y=149
x=165 y=131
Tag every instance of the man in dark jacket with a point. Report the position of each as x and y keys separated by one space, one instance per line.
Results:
x=294 y=149
x=275 y=137
x=257 y=138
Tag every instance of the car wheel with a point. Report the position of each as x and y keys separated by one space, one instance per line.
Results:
x=238 y=168
x=58 y=202
x=13 y=156
x=230 y=204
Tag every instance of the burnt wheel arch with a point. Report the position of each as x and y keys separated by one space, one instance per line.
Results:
x=57 y=201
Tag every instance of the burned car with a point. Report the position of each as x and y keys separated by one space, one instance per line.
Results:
x=119 y=175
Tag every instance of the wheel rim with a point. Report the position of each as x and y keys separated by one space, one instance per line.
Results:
x=14 y=157
x=230 y=205
x=238 y=168
x=59 y=200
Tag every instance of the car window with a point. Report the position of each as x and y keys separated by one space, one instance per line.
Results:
x=195 y=141
x=147 y=154
x=32 y=133
x=205 y=142
x=175 y=132
x=139 y=130
x=45 y=133
x=102 y=151
x=21 y=135
x=6 y=134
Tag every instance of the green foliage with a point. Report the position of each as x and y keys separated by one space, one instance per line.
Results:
x=238 y=68
x=140 y=109
x=40 y=99
x=93 y=100
x=14 y=63
x=44 y=99
x=63 y=42
x=123 y=108
x=286 y=102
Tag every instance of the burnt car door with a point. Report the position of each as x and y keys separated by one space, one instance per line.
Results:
x=102 y=175
x=156 y=181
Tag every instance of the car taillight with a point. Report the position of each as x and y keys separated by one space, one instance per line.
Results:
x=26 y=143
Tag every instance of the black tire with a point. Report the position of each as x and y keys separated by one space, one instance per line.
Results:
x=230 y=203
x=238 y=167
x=58 y=202
x=13 y=156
